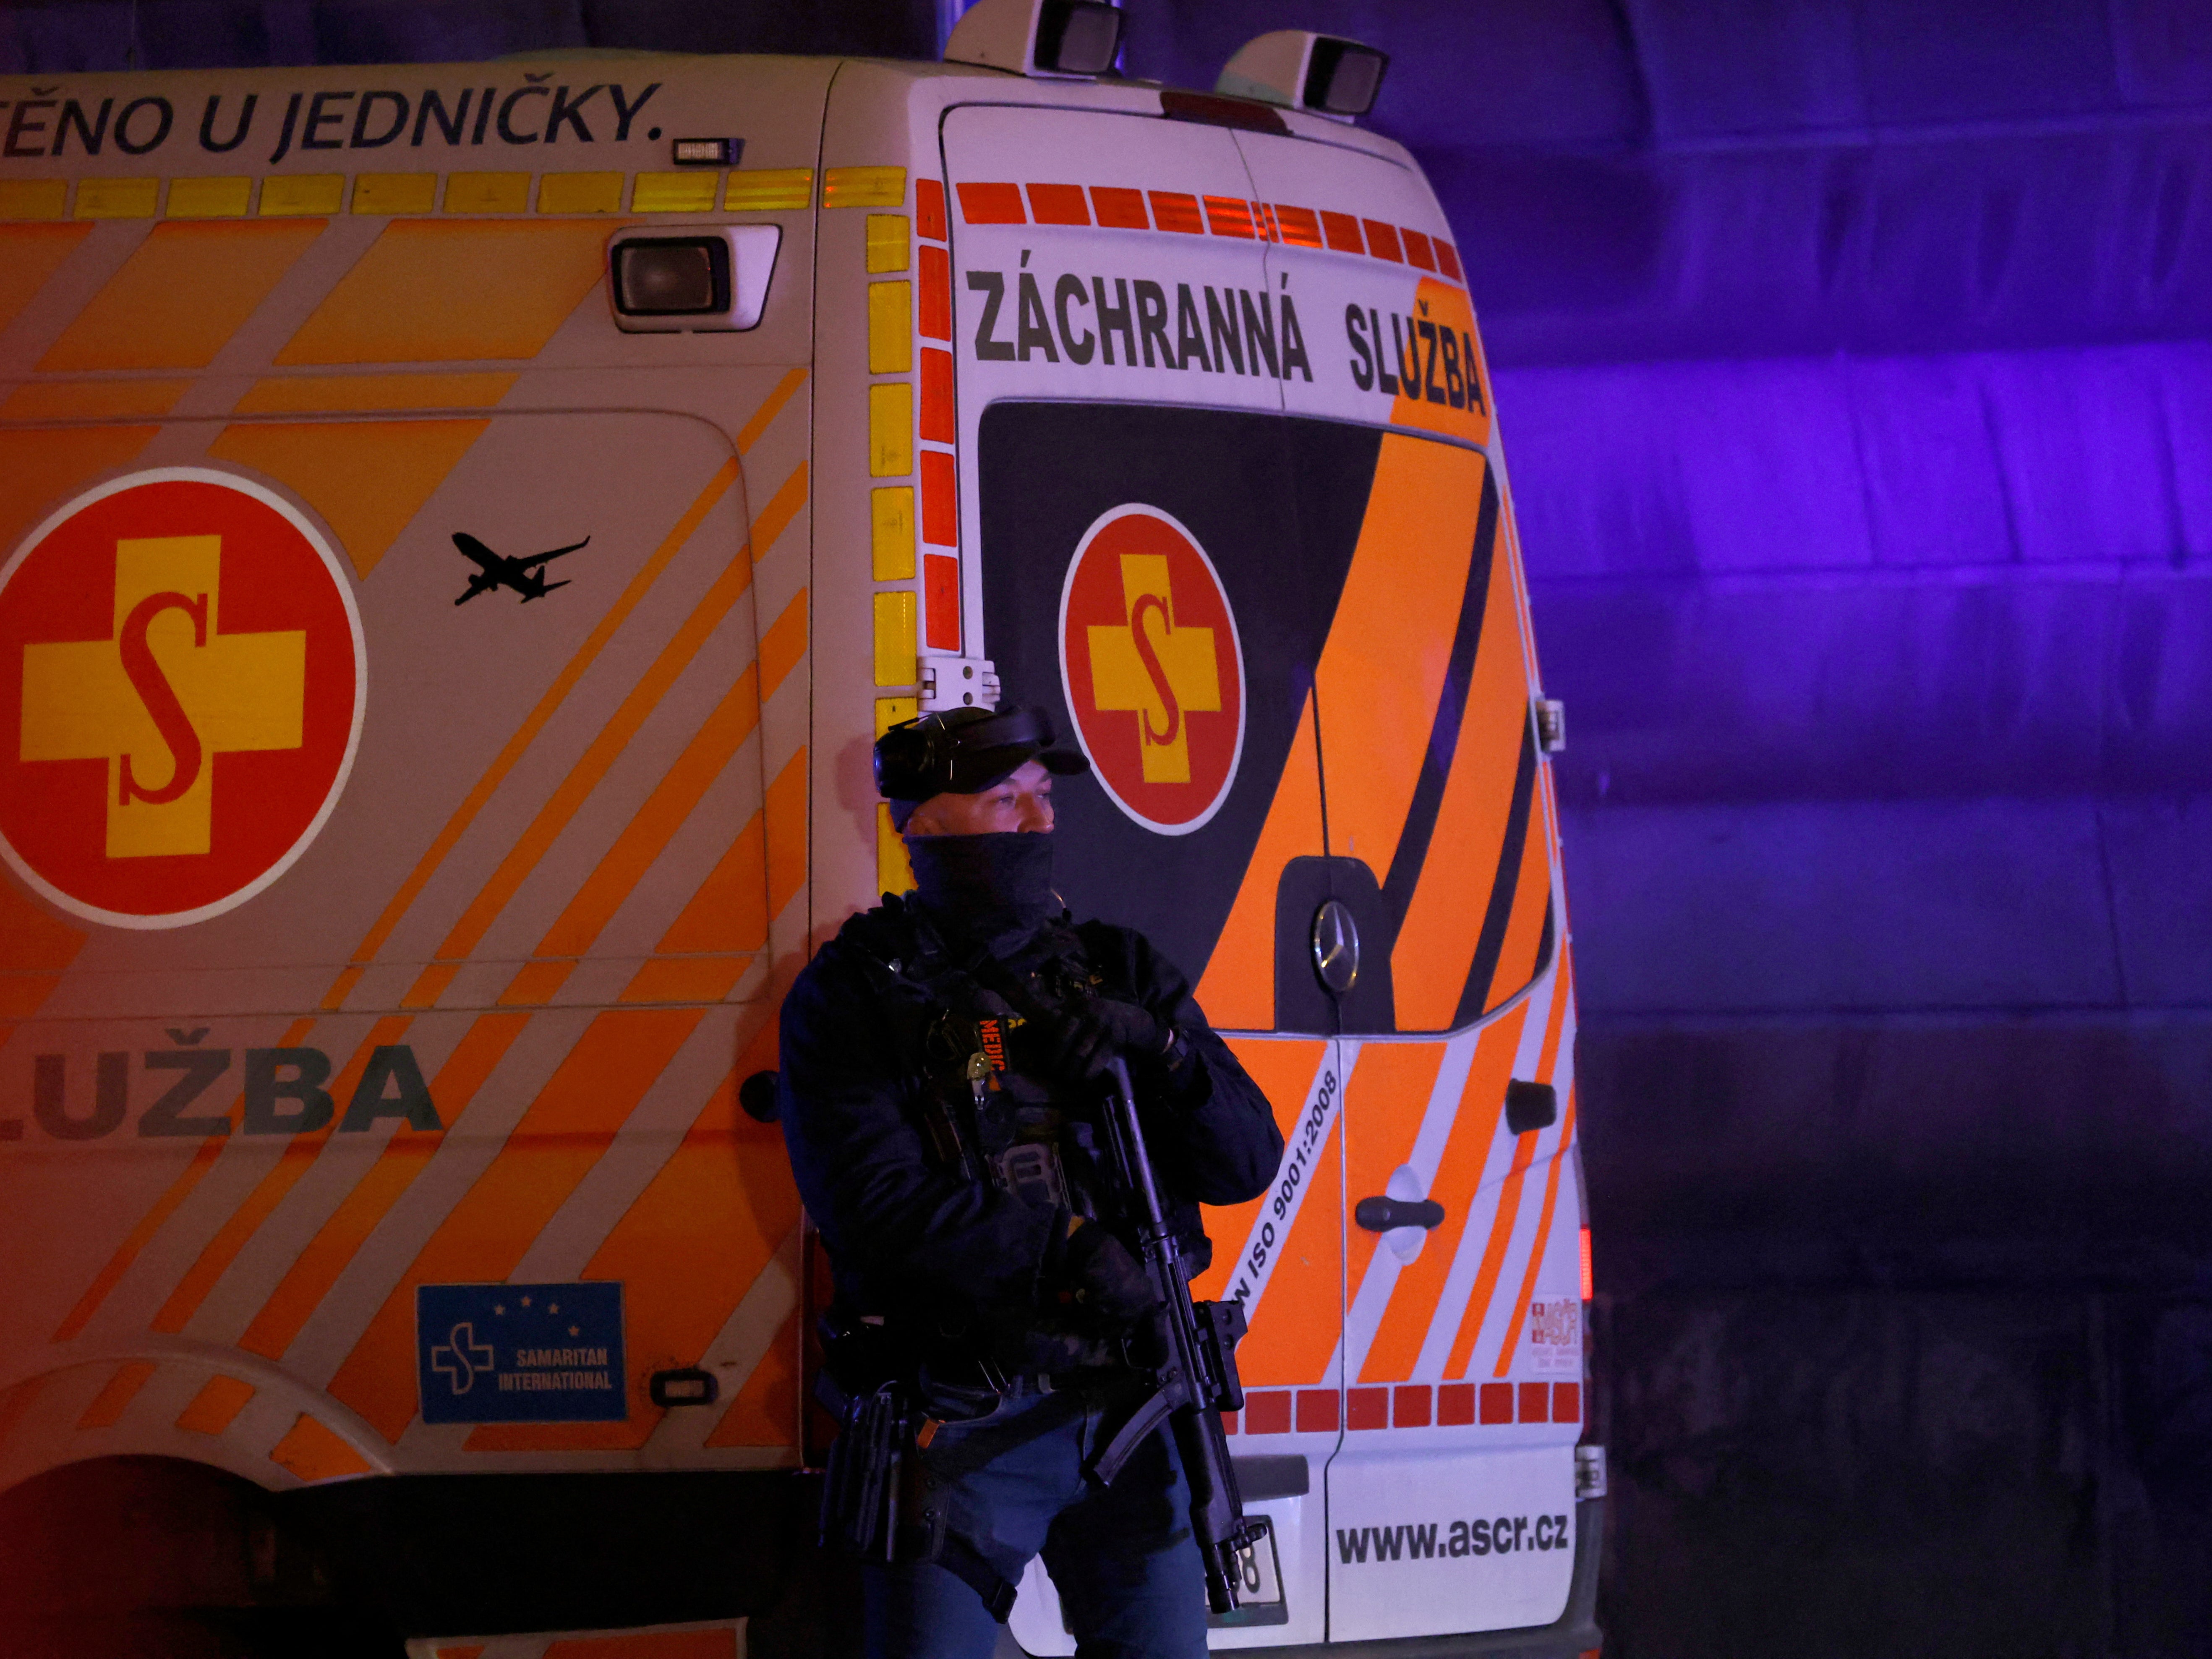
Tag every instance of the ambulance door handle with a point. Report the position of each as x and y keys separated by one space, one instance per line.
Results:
x=1380 y=1215
x=686 y=1385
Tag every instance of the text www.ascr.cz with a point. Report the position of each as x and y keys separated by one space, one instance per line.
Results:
x=1501 y=1534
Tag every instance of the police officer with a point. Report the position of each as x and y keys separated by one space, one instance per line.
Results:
x=941 y=1065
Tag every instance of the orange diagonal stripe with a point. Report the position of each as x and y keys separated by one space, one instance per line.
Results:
x=1237 y=986
x=648 y=834
x=765 y=1410
x=309 y=1281
x=269 y=1191
x=565 y=1130
x=1300 y=1318
x=1387 y=1096
x=1435 y=948
x=782 y=507
x=771 y=406
x=1531 y=900
x=568 y=799
x=1285 y=1072
x=783 y=645
x=1493 y=1251
x=120 y=1389
x=1543 y=1236
x=727 y=1181
x=1414 y=1299
x=1383 y=670
x=209 y=1150
x=526 y=734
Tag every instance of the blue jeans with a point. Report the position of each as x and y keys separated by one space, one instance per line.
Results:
x=1011 y=1483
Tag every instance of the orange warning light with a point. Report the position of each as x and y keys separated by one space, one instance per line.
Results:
x=1590 y=1284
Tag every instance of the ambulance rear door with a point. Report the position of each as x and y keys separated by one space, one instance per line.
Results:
x=1148 y=571
x=1451 y=1502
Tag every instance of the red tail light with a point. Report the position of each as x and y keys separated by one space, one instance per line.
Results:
x=1590 y=1284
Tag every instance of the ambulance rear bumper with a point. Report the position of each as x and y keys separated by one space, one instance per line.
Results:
x=1573 y=1633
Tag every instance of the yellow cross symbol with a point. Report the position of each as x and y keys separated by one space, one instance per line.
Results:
x=162 y=697
x=1149 y=667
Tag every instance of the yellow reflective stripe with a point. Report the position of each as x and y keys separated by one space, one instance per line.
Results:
x=303 y=197
x=33 y=198
x=770 y=189
x=579 y=192
x=891 y=429
x=855 y=187
x=887 y=243
x=214 y=198
x=675 y=192
x=894 y=870
x=890 y=335
x=895 y=635
x=385 y=192
x=891 y=533
x=117 y=198
x=481 y=193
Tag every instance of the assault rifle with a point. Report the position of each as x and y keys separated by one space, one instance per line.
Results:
x=1190 y=1348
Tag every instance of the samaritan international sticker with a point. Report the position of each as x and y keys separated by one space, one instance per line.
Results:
x=181 y=690
x=520 y=1354
x=1152 y=668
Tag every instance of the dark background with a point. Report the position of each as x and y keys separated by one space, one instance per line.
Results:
x=1855 y=362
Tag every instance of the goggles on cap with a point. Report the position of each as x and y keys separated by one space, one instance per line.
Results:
x=963 y=752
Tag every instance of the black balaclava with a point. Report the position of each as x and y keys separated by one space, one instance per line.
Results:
x=983 y=888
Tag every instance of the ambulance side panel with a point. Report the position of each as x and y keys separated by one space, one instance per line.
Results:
x=471 y=1057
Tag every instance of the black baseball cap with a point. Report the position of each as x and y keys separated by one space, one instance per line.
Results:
x=963 y=752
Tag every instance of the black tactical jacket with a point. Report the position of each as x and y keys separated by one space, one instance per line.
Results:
x=909 y=1237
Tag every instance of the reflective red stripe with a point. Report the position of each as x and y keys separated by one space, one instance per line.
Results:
x=1119 y=209
x=934 y=321
x=929 y=209
x=992 y=205
x=1059 y=205
x=1172 y=210
x=941 y=585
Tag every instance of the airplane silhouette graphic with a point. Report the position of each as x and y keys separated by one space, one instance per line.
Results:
x=525 y=576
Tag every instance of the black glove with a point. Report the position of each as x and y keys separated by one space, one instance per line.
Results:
x=1109 y=1282
x=1098 y=1029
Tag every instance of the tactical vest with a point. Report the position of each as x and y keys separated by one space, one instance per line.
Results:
x=975 y=1039
x=991 y=1108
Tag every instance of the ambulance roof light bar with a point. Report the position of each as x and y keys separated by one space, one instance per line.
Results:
x=1052 y=39
x=1321 y=74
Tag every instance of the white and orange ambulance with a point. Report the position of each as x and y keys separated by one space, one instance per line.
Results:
x=461 y=528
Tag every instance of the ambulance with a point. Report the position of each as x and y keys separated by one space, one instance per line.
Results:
x=461 y=530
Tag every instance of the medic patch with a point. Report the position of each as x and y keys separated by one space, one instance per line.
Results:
x=1152 y=668
x=181 y=689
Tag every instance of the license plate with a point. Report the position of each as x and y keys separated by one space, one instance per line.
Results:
x=1259 y=1582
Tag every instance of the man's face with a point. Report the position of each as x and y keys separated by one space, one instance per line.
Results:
x=1023 y=801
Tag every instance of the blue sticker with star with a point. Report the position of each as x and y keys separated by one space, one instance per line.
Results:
x=520 y=1354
